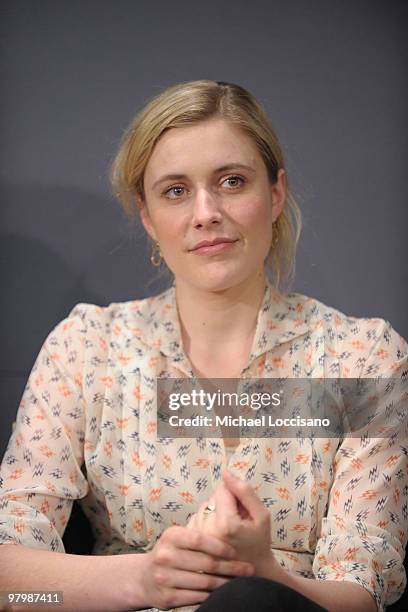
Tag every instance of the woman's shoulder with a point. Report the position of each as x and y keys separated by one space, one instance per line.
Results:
x=317 y=313
x=139 y=307
x=120 y=321
x=373 y=338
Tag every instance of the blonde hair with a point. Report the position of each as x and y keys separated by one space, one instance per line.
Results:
x=190 y=103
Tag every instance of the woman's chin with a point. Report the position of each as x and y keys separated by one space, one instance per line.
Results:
x=218 y=282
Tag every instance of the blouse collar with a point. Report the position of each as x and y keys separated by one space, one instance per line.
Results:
x=280 y=319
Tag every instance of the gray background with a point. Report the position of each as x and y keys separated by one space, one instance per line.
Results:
x=73 y=73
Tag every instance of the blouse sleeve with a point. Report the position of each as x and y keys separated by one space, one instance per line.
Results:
x=40 y=474
x=364 y=534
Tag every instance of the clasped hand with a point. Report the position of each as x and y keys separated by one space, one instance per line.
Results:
x=239 y=519
x=187 y=563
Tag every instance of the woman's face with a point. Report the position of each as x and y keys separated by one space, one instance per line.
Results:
x=208 y=184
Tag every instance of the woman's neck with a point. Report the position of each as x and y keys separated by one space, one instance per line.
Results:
x=218 y=327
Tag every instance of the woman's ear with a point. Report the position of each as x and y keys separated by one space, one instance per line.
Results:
x=278 y=194
x=145 y=217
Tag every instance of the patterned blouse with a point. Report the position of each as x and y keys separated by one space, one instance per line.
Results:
x=86 y=429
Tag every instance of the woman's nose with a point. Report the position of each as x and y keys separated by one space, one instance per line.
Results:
x=207 y=208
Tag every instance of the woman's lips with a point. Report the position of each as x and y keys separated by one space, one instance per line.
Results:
x=214 y=249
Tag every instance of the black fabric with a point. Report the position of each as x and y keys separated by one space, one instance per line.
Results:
x=78 y=538
x=260 y=594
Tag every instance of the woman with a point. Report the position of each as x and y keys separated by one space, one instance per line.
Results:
x=310 y=522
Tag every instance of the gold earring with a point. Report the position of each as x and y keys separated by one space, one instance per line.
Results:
x=156 y=257
x=275 y=235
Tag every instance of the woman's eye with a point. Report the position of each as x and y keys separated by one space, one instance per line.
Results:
x=234 y=181
x=174 y=192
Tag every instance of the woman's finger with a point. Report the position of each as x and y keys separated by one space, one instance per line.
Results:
x=225 y=502
x=245 y=494
x=191 y=580
x=203 y=563
x=193 y=539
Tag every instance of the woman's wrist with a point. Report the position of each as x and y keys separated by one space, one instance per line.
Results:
x=333 y=595
x=131 y=577
x=269 y=567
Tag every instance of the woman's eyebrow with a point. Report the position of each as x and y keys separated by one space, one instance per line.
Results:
x=224 y=168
